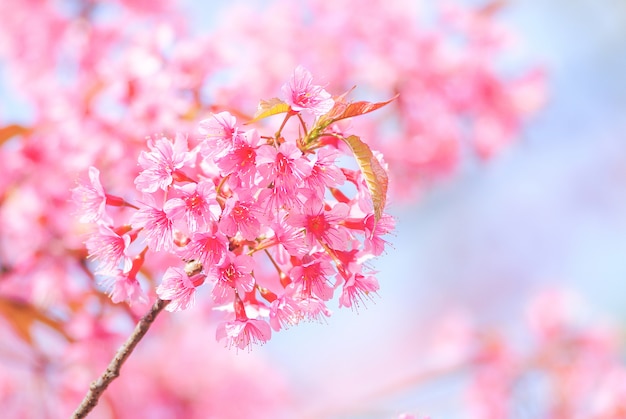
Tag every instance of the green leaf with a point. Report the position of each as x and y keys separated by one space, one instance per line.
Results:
x=9 y=131
x=373 y=172
x=268 y=108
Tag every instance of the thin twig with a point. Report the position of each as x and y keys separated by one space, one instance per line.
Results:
x=113 y=370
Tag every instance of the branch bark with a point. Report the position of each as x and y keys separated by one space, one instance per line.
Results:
x=113 y=370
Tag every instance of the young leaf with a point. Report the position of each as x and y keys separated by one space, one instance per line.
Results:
x=9 y=131
x=373 y=172
x=268 y=108
x=343 y=110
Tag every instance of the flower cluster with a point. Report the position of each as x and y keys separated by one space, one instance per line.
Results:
x=271 y=222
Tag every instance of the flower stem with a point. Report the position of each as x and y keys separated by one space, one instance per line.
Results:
x=113 y=370
x=306 y=132
x=280 y=130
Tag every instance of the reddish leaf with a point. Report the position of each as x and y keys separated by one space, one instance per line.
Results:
x=343 y=110
x=268 y=108
x=10 y=131
x=373 y=172
x=22 y=315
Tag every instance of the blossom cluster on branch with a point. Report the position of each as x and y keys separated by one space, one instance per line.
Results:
x=236 y=201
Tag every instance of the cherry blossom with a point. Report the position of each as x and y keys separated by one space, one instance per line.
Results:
x=242 y=333
x=242 y=215
x=178 y=288
x=91 y=198
x=356 y=289
x=325 y=173
x=283 y=166
x=109 y=248
x=284 y=312
x=124 y=287
x=235 y=274
x=374 y=229
x=302 y=95
x=220 y=131
x=161 y=164
x=321 y=225
x=193 y=205
x=156 y=225
x=312 y=276
x=240 y=160
x=453 y=98
x=209 y=248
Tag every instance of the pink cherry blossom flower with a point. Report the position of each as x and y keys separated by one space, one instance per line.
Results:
x=178 y=288
x=220 y=131
x=161 y=163
x=284 y=312
x=312 y=277
x=313 y=309
x=124 y=287
x=325 y=172
x=302 y=95
x=155 y=224
x=240 y=161
x=243 y=333
x=243 y=216
x=109 y=248
x=277 y=198
x=375 y=229
x=284 y=166
x=91 y=199
x=356 y=289
x=233 y=275
x=322 y=225
x=290 y=238
x=195 y=206
x=209 y=248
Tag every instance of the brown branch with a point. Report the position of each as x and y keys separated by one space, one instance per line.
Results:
x=113 y=370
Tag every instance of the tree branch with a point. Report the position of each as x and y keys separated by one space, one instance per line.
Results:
x=113 y=370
